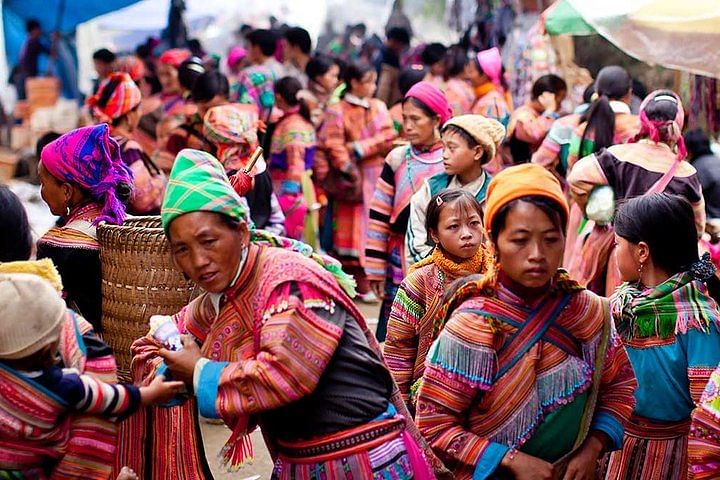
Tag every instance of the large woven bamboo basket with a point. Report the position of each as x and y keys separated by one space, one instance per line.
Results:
x=138 y=280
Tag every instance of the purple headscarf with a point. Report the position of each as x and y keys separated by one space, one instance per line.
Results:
x=89 y=158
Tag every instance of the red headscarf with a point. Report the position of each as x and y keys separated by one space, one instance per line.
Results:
x=117 y=95
x=174 y=56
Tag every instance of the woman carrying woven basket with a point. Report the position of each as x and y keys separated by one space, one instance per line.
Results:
x=84 y=181
x=275 y=340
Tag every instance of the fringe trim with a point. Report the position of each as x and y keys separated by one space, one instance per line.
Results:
x=556 y=387
x=474 y=364
x=589 y=349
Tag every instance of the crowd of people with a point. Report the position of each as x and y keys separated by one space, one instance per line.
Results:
x=548 y=297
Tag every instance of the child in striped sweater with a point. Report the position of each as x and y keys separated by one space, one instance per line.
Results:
x=39 y=397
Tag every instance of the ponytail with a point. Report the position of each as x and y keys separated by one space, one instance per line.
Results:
x=600 y=120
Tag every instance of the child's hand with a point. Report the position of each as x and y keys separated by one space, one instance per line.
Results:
x=548 y=101
x=160 y=391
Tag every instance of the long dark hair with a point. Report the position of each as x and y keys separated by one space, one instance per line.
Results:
x=15 y=237
x=612 y=83
x=287 y=88
x=355 y=71
x=667 y=224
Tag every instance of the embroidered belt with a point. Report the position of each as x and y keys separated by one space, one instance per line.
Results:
x=343 y=443
x=642 y=427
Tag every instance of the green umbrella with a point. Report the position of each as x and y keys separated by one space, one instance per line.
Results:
x=562 y=19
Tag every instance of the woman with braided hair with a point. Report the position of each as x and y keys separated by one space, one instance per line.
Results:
x=527 y=379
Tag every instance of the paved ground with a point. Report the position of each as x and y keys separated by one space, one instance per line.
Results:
x=215 y=436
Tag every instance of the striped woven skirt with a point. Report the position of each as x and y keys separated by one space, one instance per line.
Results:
x=704 y=446
x=651 y=450
x=378 y=450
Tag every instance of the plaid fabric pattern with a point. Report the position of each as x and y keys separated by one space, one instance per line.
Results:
x=678 y=304
x=124 y=97
x=233 y=130
x=198 y=183
x=257 y=86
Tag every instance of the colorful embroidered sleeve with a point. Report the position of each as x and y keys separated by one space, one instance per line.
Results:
x=295 y=347
x=583 y=178
x=616 y=398
x=460 y=366
x=382 y=136
x=331 y=137
x=87 y=394
x=379 y=224
x=704 y=439
x=556 y=144
x=703 y=356
x=416 y=238
x=532 y=129
x=401 y=344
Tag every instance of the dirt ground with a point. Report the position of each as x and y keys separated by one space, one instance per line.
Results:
x=215 y=436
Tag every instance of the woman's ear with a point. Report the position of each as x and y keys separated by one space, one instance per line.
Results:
x=642 y=253
x=244 y=233
x=434 y=236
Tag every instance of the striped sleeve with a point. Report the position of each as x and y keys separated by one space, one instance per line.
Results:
x=87 y=394
x=379 y=224
x=401 y=345
x=416 y=238
x=459 y=369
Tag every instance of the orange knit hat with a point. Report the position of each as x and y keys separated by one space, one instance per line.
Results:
x=520 y=181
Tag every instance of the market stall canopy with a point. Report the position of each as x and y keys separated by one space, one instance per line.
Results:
x=679 y=35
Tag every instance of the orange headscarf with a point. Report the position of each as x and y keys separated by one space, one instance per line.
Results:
x=524 y=180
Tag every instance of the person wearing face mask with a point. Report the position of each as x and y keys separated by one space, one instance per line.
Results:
x=425 y=110
x=527 y=379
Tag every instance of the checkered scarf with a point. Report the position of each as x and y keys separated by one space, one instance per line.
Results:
x=117 y=95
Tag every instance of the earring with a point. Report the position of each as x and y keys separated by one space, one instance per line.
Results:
x=67 y=211
x=640 y=273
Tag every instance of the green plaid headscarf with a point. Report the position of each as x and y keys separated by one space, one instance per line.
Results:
x=198 y=183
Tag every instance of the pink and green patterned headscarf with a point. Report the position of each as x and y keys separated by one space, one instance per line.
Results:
x=89 y=158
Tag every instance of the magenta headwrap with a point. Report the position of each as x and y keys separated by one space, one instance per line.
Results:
x=491 y=63
x=89 y=158
x=666 y=131
x=236 y=54
x=433 y=98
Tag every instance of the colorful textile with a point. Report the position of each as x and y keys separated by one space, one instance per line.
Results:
x=491 y=103
x=198 y=183
x=293 y=148
x=631 y=170
x=174 y=56
x=504 y=370
x=627 y=126
x=256 y=86
x=277 y=296
x=412 y=327
x=553 y=152
x=433 y=98
x=487 y=132
x=460 y=96
x=235 y=55
x=233 y=130
x=370 y=132
x=491 y=63
x=704 y=441
x=131 y=65
x=522 y=181
x=75 y=251
x=88 y=157
x=116 y=96
x=672 y=336
x=526 y=130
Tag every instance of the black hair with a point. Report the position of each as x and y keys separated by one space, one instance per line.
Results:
x=44 y=141
x=123 y=192
x=446 y=197
x=104 y=55
x=456 y=60
x=31 y=25
x=662 y=110
x=588 y=93
x=265 y=39
x=547 y=83
x=287 y=88
x=409 y=76
x=553 y=210
x=399 y=34
x=433 y=53
x=300 y=38
x=15 y=235
x=666 y=223
x=356 y=71
x=697 y=143
x=143 y=51
x=469 y=139
x=195 y=46
x=189 y=71
x=639 y=88
x=612 y=83
x=210 y=85
x=319 y=65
